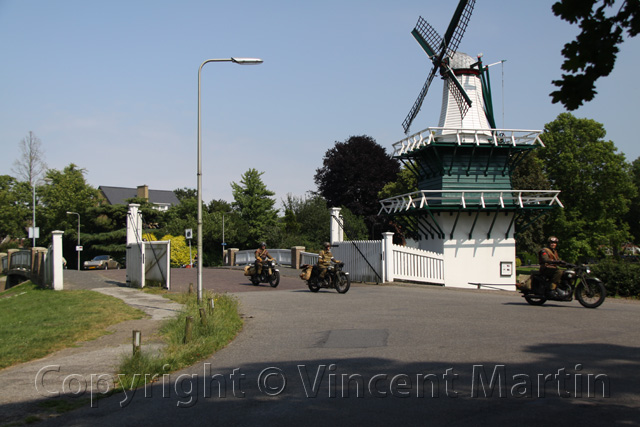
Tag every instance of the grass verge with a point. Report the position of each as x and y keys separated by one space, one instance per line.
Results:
x=208 y=335
x=35 y=322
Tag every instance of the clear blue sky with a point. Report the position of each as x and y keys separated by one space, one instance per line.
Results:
x=112 y=85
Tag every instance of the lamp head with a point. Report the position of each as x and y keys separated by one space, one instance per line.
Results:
x=247 y=61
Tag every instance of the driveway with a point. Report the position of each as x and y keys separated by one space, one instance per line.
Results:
x=387 y=355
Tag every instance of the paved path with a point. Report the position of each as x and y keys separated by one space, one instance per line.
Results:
x=103 y=355
x=388 y=355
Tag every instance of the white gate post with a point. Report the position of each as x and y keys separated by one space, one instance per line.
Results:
x=57 y=266
x=134 y=224
x=387 y=257
x=335 y=231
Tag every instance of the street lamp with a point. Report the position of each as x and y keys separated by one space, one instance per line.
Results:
x=77 y=247
x=241 y=61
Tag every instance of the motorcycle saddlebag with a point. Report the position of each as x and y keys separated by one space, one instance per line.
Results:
x=249 y=270
x=306 y=272
x=524 y=282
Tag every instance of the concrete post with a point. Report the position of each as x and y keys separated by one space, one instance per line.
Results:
x=335 y=231
x=58 y=267
x=232 y=256
x=387 y=254
x=296 y=254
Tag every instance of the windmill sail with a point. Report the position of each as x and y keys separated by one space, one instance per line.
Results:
x=440 y=50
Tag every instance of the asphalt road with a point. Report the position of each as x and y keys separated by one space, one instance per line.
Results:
x=386 y=355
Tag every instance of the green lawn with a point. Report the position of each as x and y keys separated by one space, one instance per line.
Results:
x=35 y=322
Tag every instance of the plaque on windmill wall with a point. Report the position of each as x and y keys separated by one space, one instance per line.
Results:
x=506 y=268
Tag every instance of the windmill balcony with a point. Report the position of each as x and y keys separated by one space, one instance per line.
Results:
x=467 y=199
x=459 y=136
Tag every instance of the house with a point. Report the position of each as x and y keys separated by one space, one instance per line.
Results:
x=161 y=199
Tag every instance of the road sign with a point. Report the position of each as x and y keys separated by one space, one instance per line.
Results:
x=78 y=248
x=224 y=244
x=188 y=234
x=37 y=233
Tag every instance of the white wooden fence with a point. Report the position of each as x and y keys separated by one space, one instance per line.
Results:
x=370 y=261
x=367 y=261
x=417 y=265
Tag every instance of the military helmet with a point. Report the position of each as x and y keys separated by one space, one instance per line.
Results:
x=326 y=244
x=553 y=239
x=263 y=243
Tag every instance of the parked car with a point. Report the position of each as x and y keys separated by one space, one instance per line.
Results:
x=102 y=262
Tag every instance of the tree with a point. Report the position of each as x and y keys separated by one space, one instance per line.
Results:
x=529 y=175
x=352 y=174
x=65 y=191
x=255 y=205
x=633 y=215
x=185 y=193
x=597 y=185
x=593 y=53
x=31 y=165
x=15 y=201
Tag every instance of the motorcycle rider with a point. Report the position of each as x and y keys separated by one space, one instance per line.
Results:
x=549 y=260
x=262 y=254
x=324 y=259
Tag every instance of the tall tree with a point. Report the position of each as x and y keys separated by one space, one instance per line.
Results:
x=66 y=190
x=255 y=204
x=31 y=164
x=529 y=175
x=593 y=53
x=15 y=199
x=353 y=172
x=596 y=184
x=633 y=217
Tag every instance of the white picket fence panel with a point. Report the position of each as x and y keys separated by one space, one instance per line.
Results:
x=417 y=265
x=362 y=259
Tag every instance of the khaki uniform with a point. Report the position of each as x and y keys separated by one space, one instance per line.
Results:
x=549 y=270
x=261 y=255
x=324 y=261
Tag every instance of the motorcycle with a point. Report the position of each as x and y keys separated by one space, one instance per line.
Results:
x=269 y=274
x=334 y=278
x=575 y=282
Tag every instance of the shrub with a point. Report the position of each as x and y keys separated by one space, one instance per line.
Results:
x=620 y=278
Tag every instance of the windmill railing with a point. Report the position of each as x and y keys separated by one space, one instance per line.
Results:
x=489 y=137
x=470 y=198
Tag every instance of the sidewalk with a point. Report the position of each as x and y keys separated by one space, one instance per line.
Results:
x=26 y=386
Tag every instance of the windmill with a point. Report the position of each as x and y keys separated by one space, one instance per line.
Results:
x=466 y=209
x=463 y=76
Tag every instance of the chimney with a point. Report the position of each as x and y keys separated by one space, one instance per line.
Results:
x=143 y=192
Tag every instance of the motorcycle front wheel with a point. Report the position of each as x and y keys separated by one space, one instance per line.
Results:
x=313 y=285
x=535 y=300
x=274 y=280
x=592 y=294
x=343 y=283
x=255 y=280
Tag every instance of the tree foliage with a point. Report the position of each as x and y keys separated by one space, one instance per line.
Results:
x=633 y=216
x=529 y=175
x=15 y=201
x=596 y=183
x=255 y=205
x=353 y=172
x=593 y=53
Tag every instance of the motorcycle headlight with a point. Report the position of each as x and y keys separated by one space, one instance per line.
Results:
x=588 y=270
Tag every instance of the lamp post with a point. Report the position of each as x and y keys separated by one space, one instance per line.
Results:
x=33 y=225
x=241 y=61
x=77 y=247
